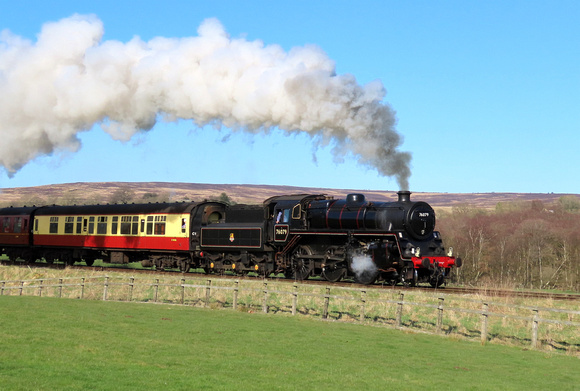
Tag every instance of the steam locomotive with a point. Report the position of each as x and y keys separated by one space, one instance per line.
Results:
x=298 y=235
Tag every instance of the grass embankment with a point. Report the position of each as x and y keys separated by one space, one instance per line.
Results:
x=49 y=343
x=509 y=319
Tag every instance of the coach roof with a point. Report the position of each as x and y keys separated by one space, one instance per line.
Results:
x=121 y=209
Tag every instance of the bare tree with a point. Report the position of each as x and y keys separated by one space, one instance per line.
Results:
x=122 y=195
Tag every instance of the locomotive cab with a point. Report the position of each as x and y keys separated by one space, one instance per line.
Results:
x=287 y=213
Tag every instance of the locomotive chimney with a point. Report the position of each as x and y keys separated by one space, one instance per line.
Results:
x=404 y=196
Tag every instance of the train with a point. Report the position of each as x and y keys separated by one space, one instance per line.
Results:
x=297 y=236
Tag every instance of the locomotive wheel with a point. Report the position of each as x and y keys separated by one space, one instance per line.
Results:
x=333 y=274
x=302 y=265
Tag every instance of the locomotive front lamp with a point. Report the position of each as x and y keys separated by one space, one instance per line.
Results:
x=417 y=251
x=450 y=252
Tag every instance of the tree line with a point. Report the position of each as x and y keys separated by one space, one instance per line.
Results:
x=122 y=195
x=517 y=245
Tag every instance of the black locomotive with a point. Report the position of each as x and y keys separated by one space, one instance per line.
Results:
x=298 y=235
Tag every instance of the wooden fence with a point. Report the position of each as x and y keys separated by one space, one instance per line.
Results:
x=556 y=329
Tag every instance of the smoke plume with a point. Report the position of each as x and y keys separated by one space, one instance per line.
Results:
x=70 y=79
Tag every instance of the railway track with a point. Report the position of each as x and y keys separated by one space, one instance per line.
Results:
x=487 y=292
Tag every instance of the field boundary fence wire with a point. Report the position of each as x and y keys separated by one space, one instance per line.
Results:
x=543 y=328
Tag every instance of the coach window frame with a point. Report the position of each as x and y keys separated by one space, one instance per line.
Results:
x=135 y=226
x=126 y=225
x=6 y=224
x=17 y=226
x=91 y=225
x=114 y=225
x=102 y=222
x=53 y=225
x=69 y=225
x=149 y=225
x=159 y=226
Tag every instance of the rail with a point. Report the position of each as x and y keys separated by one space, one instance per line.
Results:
x=538 y=327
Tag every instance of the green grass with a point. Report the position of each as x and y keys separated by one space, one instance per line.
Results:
x=64 y=344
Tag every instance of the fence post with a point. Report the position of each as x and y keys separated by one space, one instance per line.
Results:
x=82 y=288
x=105 y=287
x=156 y=289
x=60 y=288
x=236 y=289
x=363 y=294
x=294 y=299
x=207 y=293
x=21 y=287
x=131 y=286
x=400 y=310
x=40 y=289
x=2 y=290
x=265 y=302
x=484 y=323
x=440 y=314
x=182 y=291
x=535 y=322
x=326 y=301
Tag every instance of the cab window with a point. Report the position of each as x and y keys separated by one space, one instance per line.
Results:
x=296 y=212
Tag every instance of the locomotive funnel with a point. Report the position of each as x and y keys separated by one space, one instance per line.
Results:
x=404 y=196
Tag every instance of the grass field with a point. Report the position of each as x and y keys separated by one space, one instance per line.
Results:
x=65 y=344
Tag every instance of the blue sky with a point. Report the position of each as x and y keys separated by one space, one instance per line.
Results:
x=486 y=94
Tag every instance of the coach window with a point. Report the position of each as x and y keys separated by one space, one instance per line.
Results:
x=92 y=225
x=149 y=225
x=183 y=225
x=125 y=225
x=142 y=225
x=114 y=225
x=69 y=223
x=79 y=225
x=18 y=225
x=135 y=226
x=5 y=224
x=102 y=225
x=53 y=229
x=160 y=225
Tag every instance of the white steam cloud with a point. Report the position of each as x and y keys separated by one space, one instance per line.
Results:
x=69 y=80
x=363 y=264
